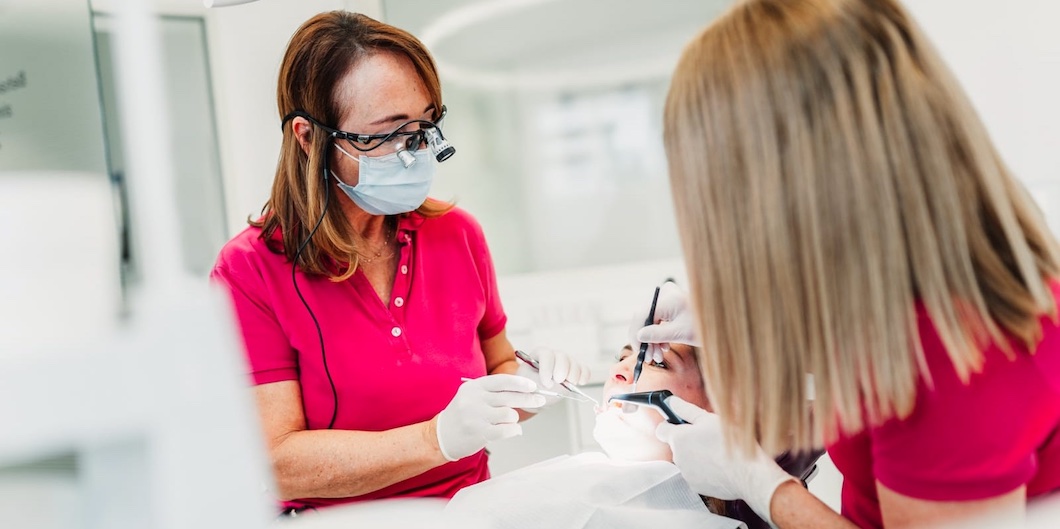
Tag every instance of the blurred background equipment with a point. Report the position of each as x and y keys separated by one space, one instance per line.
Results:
x=122 y=407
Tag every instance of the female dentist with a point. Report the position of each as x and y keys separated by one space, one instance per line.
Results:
x=362 y=302
x=844 y=213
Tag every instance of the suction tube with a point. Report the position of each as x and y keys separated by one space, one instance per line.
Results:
x=655 y=399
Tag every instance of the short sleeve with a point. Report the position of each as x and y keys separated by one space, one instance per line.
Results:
x=268 y=351
x=963 y=441
x=494 y=319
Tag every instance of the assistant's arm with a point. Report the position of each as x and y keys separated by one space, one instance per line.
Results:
x=793 y=507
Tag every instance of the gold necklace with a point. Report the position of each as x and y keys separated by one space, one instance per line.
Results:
x=386 y=244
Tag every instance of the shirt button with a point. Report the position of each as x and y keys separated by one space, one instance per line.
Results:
x=404 y=269
x=398 y=302
x=396 y=331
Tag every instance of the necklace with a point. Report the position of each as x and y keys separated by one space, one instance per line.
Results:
x=384 y=247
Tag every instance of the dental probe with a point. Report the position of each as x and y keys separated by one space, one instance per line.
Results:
x=529 y=360
x=544 y=393
x=644 y=345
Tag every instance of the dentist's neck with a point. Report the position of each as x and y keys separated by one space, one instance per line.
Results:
x=369 y=227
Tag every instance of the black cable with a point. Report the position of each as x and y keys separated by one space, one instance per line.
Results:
x=294 y=279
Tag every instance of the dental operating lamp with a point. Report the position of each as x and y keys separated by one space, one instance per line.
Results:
x=224 y=3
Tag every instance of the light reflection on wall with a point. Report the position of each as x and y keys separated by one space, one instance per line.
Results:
x=596 y=185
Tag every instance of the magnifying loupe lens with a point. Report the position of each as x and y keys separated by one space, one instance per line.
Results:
x=406 y=157
x=439 y=146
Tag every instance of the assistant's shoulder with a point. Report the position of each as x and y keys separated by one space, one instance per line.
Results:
x=1047 y=354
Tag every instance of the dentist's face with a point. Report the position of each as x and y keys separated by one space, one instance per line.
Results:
x=378 y=94
x=631 y=436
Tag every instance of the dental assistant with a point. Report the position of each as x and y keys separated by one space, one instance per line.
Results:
x=844 y=213
x=362 y=302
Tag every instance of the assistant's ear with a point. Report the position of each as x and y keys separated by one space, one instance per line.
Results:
x=303 y=130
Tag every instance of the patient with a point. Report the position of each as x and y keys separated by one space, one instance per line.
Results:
x=634 y=484
x=631 y=436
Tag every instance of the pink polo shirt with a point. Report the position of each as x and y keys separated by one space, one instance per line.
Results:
x=393 y=365
x=963 y=442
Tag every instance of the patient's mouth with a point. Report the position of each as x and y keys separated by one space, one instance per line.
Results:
x=608 y=404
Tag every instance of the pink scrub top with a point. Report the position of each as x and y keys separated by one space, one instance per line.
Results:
x=963 y=441
x=393 y=365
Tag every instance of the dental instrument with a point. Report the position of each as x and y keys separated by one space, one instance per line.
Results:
x=530 y=361
x=650 y=320
x=654 y=399
x=546 y=393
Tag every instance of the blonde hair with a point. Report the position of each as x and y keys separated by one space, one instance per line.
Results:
x=828 y=175
x=320 y=53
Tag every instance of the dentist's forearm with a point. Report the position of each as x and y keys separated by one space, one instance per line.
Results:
x=345 y=463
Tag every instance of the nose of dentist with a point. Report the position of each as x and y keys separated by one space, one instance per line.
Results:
x=699 y=447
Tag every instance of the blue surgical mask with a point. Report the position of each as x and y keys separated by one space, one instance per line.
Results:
x=386 y=187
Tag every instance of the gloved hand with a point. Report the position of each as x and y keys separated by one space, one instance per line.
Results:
x=676 y=323
x=554 y=367
x=483 y=410
x=711 y=470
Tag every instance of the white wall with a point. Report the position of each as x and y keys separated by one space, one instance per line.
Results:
x=1007 y=55
x=246 y=44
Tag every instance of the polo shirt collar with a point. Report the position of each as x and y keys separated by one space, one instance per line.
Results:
x=410 y=222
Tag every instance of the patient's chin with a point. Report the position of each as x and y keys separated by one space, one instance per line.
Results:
x=630 y=437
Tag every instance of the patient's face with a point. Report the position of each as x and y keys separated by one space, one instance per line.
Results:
x=631 y=436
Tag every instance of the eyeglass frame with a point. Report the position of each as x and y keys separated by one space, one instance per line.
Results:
x=352 y=137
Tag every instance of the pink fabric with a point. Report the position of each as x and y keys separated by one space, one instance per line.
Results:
x=392 y=365
x=963 y=442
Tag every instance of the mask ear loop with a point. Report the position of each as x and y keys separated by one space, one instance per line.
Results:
x=350 y=156
x=294 y=280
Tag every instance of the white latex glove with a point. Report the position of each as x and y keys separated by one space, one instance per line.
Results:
x=483 y=410
x=700 y=453
x=676 y=323
x=554 y=368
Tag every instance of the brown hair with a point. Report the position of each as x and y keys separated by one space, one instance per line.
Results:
x=828 y=175
x=319 y=54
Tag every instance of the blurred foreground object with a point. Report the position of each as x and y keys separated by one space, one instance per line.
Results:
x=151 y=410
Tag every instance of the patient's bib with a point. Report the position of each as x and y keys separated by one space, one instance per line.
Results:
x=587 y=491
